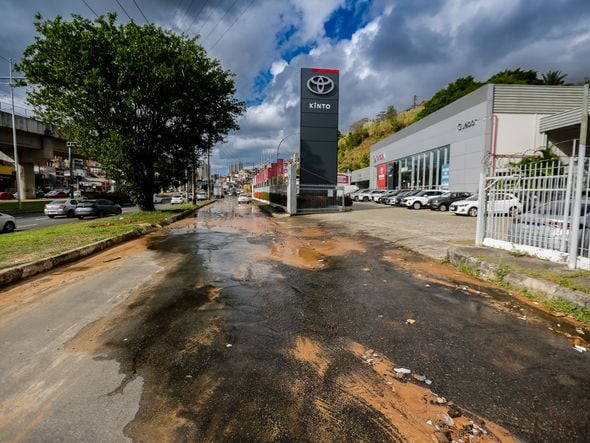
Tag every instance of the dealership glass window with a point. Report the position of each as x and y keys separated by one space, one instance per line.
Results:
x=422 y=170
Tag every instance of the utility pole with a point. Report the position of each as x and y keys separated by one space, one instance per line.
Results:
x=12 y=85
x=71 y=163
x=209 y=174
x=415 y=101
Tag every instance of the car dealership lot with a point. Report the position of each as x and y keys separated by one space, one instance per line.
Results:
x=428 y=232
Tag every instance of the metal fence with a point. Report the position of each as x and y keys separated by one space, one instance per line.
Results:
x=529 y=208
x=320 y=199
x=18 y=110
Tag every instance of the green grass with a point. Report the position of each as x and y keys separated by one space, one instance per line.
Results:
x=11 y=206
x=35 y=244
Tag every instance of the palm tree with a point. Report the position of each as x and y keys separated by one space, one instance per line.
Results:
x=553 y=78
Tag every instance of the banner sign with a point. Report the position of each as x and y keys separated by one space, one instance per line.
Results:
x=382 y=175
x=343 y=179
x=319 y=126
x=444 y=176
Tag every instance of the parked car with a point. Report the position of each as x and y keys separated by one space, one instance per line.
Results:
x=502 y=203
x=244 y=198
x=201 y=196
x=65 y=207
x=7 y=223
x=97 y=208
x=157 y=199
x=353 y=194
x=364 y=195
x=377 y=194
x=383 y=197
x=177 y=200
x=397 y=200
x=420 y=199
x=6 y=196
x=56 y=194
x=442 y=202
x=543 y=226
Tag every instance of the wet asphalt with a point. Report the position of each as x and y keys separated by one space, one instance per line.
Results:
x=210 y=342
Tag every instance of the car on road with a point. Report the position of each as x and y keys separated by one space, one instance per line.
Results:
x=7 y=223
x=544 y=226
x=56 y=194
x=442 y=202
x=244 y=198
x=157 y=199
x=6 y=196
x=97 y=208
x=419 y=200
x=201 y=196
x=501 y=203
x=177 y=200
x=65 y=207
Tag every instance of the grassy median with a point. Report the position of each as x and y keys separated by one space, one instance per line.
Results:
x=35 y=244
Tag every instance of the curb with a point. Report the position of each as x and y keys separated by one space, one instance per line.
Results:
x=21 y=272
x=517 y=280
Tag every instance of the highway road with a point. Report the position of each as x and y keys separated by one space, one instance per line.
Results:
x=38 y=220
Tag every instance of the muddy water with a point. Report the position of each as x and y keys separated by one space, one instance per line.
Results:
x=279 y=330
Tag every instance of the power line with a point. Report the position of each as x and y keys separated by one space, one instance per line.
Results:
x=232 y=25
x=88 y=6
x=220 y=20
x=121 y=6
x=197 y=16
x=137 y=6
x=206 y=20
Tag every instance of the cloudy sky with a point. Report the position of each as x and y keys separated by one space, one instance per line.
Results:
x=387 y=51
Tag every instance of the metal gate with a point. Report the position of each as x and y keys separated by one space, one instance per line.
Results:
x=529 y=207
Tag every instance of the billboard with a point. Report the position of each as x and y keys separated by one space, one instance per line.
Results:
x=319 y=127
x=444 y=176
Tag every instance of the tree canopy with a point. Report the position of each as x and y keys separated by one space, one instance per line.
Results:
x=143 y=101
x=453 y=91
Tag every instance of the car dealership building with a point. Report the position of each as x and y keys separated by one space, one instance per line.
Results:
x=449 y=148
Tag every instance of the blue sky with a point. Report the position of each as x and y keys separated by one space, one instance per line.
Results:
x=387 y=51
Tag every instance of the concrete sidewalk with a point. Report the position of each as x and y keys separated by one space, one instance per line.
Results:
x=445 y=236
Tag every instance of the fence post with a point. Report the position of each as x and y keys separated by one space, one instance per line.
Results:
x=568 y=199
x=291 y=189
x=481 y=209
x=576 y=210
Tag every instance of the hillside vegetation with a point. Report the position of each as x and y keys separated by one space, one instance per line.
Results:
x=355 y=145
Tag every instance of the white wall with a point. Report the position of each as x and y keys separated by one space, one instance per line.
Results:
x=517 y=133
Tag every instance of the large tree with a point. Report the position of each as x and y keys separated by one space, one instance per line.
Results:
x=143 y=101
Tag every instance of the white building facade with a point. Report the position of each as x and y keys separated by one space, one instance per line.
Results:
x=449 y=148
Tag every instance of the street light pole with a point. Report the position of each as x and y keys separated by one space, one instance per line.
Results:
x=16 y=165
x=281 y=142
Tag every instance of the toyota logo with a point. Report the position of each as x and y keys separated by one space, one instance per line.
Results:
x=320 y=85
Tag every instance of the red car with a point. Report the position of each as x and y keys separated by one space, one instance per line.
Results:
x=6 y=196
x=56 y=194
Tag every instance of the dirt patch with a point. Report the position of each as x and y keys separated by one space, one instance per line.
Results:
x=311 y=352
x=415 y=411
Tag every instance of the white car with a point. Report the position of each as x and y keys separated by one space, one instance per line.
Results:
x=201 y=196
x=7 y=223
x=244 y=198
x=64 y=206
x=503 y=203
x=420 y=199
x=157 y=199
x=177 y=200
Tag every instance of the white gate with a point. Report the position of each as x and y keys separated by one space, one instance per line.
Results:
x=529 y=208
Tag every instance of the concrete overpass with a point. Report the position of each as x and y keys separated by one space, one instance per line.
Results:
x=36 y=143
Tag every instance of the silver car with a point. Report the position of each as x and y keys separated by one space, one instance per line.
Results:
x=544 y=226
x=7 y=223
x=64 y=206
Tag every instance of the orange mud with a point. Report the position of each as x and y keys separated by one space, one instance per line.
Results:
x=309 y=351
x=410 y=407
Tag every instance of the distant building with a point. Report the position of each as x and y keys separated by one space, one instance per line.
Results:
x=235 y=167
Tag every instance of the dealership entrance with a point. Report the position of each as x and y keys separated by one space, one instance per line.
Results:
x=425 y=170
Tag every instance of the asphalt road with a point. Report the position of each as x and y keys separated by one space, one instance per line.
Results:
x=38 y=220
x=231 y=326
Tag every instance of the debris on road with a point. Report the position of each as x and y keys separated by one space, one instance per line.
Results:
x=366 y=269
x=402 y=370
x=580 y=348
x=228 y=345
x=523 y=318
x=419 y=377
x=410 y=321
